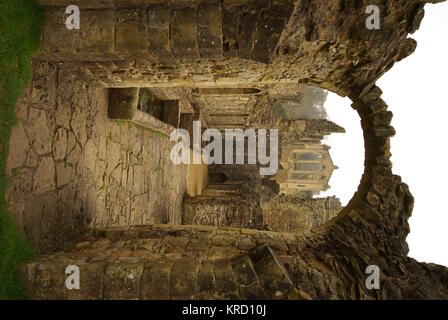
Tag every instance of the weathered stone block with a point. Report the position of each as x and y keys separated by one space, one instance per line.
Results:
x=135 y=3
x=18 y=145
x=246 y=278
x=184 y=43
x=50 y=281
x=267 y=36
x=78 y=124
x=159 y=29
x=156 y=280
x=63 y=174
x=83 y=4
x=59 y=42
x=132 y=33
x=383 y=118
x=27 y=274
x=122 y=280
x=96 y=34
x=91 y=276
x=183 y=280
x=247 y=34
x=271 y=272
x=378 y=106
x=209 y=30
x=225 y=281
x=387 y=131
x=44 y=87
x=60 y=145
x=255 y=4
x=206 y=281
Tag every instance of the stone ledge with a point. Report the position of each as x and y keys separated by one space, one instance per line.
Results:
x=258 y=274
x=123 y=104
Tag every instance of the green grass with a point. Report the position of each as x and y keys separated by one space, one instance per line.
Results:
x=20 y=23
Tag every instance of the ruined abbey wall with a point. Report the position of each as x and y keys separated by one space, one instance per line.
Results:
x=71 y=167
x=323 y=43
x=298 y=215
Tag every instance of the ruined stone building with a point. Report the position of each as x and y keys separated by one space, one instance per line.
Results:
x=93 y=184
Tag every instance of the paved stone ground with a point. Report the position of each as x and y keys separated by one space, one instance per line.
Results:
x=71 y=166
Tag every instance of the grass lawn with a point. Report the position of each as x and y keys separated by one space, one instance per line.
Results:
x=20 y=23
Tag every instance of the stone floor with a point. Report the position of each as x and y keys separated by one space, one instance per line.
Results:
x=71 y=167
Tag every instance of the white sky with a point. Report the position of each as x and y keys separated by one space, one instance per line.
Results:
x=347 y=149
x=416 y=92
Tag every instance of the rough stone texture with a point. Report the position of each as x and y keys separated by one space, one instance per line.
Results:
x=236 y=205
x=44 y=176
x=71 y=167
x=309 y=50
x=167 y=262
x=151 y=29
x=162 y=262
x=298 y=214
x=324 y=43
x=234 y=208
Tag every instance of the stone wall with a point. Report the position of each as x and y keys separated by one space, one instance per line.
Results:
x=298 y=215
x=163 y=31
x=168 y=262
x=241 y=207
x=196 y=262
x=319 y=33
x=236 y=207
x=325 y=44
x=71 y=167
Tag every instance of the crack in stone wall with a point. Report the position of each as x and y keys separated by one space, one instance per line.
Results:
x=325 y=44
x=71 y=167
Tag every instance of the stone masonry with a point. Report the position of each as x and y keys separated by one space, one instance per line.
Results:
x=72 y=168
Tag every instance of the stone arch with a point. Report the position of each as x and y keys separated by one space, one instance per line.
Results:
x=378 y=181
x=207 y=262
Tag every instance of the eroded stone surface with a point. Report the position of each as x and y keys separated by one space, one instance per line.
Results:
x=325 y=44
x=90 y=170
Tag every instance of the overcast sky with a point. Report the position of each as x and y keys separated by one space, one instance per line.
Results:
x=415 y=90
